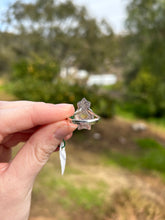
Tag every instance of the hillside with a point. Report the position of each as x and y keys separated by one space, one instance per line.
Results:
x=103 y=178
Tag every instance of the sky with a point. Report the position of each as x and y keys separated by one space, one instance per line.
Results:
x=114 y=11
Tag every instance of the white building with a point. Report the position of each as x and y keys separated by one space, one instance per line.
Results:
x=102 y=79
x=73 y=73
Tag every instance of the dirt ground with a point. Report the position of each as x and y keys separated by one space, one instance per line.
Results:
x=116 y=133
x=84 y=149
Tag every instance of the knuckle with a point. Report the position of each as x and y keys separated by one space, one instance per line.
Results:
x=42 y=153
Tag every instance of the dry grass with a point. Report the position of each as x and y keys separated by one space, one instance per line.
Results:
x=123 y=194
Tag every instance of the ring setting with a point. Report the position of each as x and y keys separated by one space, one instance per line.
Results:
x=84 y=117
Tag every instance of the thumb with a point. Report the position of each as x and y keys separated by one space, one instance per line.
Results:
x=37 y=150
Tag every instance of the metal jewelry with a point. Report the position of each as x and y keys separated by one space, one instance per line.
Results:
x=84 y=117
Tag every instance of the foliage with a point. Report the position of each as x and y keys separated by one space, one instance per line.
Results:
x=49 y=35
x=61 y=30
x=146 y=74
x=40 y=69
x=38 y=80
x=146 y=21
x=7 y=54
x=145 y=96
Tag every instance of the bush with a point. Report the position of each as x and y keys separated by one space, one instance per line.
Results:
x=38 y=80
x=145 y=95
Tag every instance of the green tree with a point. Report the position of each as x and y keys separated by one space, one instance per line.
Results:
x=146 y=25
x=62 y=30
x=51 y=34
x=146 y=21
x=37 y=79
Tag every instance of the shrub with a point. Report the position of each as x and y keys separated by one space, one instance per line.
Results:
x=145 y=95
x=38 y=80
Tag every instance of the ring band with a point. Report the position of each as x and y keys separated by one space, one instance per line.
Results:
x=78 y=121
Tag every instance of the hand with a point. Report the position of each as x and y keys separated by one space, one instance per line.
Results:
x=42 y=127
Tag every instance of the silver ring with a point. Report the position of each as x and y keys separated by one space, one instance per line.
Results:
x=90 y=121
x=84 y=116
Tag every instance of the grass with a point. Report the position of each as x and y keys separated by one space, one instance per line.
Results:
x=83 y=196
x=136 y=205
x=158 y=123
x=75 y=195
x=125 y=114
x=53 y=188
x=150 y=157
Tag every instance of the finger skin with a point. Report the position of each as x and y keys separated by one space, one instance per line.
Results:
x=13 y=139
x=25 y=116
x=37 y=150
x=68 y=137
x=43 y=127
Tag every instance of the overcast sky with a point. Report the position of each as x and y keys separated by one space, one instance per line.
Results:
x=112 y=10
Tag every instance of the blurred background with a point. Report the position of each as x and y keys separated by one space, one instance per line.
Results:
x=113 y=54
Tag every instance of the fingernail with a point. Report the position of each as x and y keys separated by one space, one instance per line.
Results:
x=63 y=131
x=64 y=105
x=69 y=108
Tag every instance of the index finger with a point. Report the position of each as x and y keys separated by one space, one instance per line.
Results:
x=24 y=116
